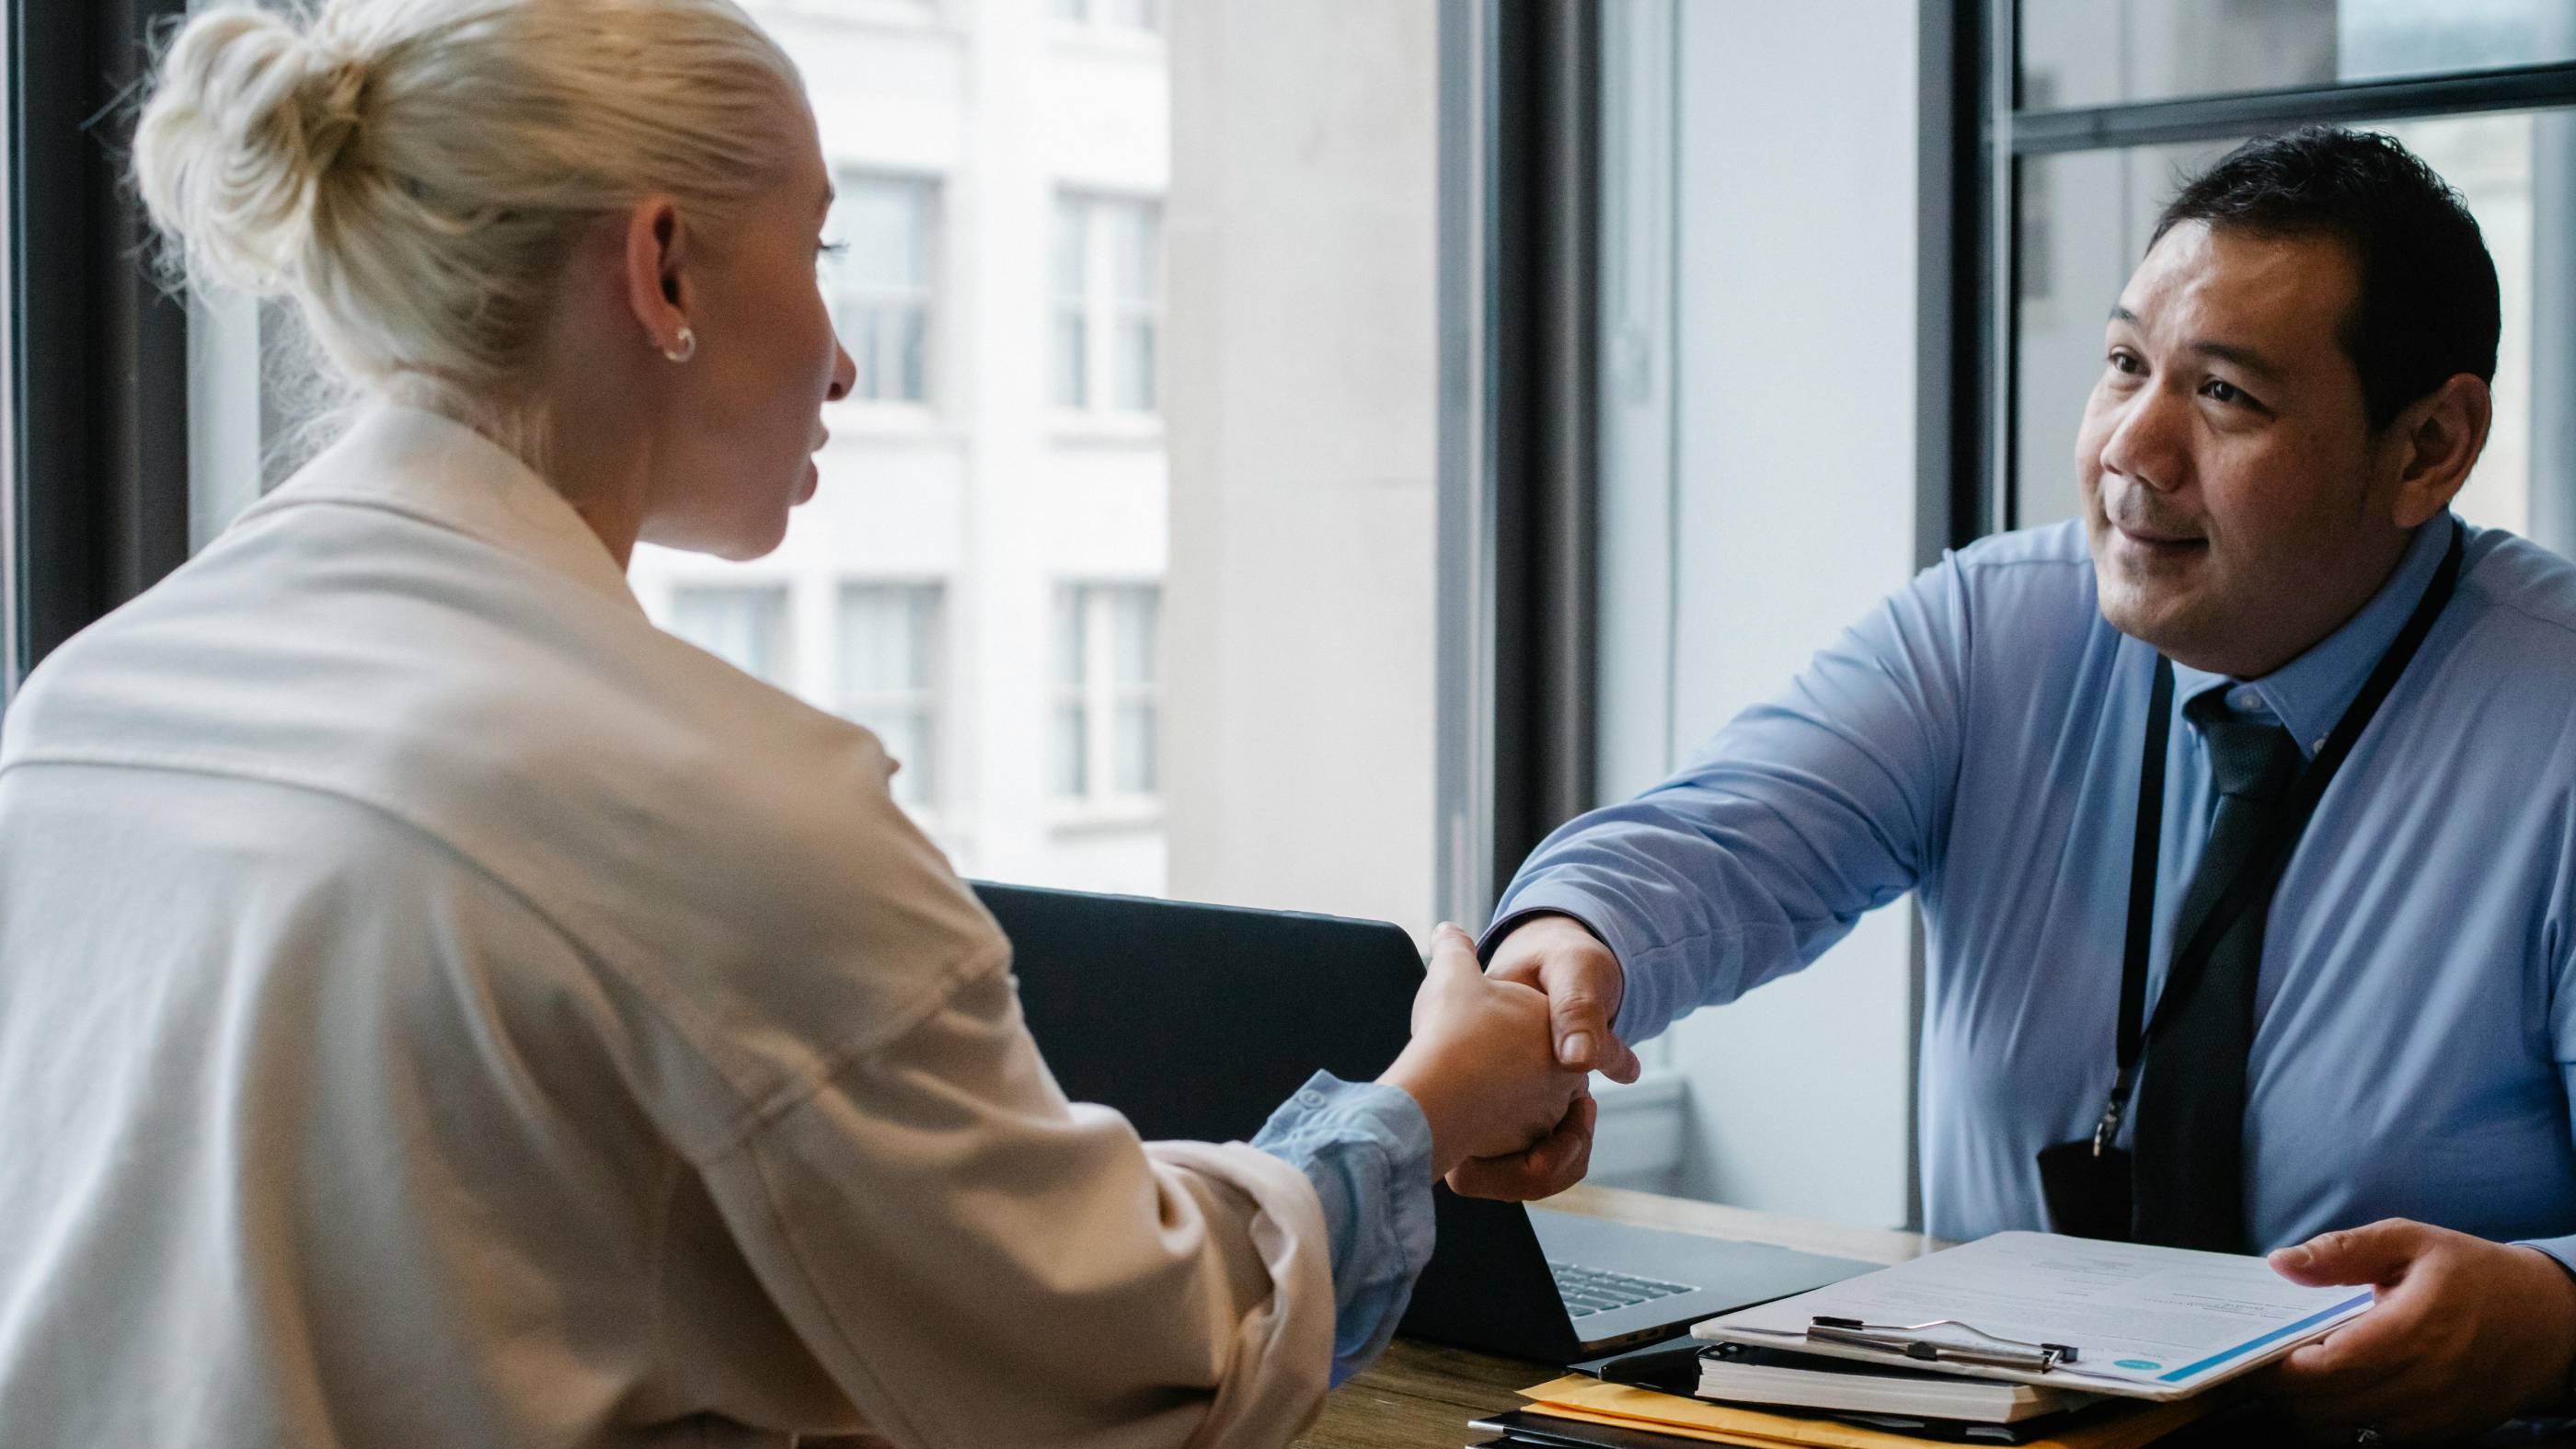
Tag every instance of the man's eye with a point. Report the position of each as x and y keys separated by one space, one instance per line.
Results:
x=2221 y=390
x=2126 y=362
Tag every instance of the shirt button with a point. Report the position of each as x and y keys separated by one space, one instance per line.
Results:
x=1310 y=1099
x=2245 y=699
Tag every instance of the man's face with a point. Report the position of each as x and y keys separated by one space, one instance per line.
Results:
x=2226 y=460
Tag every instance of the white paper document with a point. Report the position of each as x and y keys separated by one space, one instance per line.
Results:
x=2146 y=1322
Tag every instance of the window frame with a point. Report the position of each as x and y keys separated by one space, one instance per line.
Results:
x=1986 y=117
x=928 y=701
x=1099 y=695
x=96 y=497
x=773 y=605
x=1100 y=311
x=928 y=191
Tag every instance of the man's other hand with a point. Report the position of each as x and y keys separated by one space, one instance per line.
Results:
x=2466 y=1333
x=1582 y=982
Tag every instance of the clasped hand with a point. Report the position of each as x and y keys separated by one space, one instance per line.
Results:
x=1482 y=1064
x=1555 y=961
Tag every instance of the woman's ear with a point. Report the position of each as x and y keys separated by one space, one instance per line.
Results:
x=657 y=247
x=2434 y=443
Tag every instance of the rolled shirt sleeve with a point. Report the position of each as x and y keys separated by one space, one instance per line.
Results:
x=1367 y=1149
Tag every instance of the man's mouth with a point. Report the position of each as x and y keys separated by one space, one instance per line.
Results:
x=2160 y=536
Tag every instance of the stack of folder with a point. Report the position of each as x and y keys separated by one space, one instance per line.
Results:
x=1580 y=1412
x=2075 y=1344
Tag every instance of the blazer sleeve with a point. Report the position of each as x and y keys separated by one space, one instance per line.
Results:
x=981 y=1263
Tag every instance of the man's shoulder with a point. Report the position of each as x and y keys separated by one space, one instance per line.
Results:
x=2051 y=547
x=2029 y=591
x=2523 y=591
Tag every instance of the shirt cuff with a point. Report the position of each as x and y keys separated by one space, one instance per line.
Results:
x=1645 y=1003
x=2564 y=1251
x=1366 y=1147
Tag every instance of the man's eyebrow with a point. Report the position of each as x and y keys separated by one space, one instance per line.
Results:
x=2228 y=352
x=2244 y=357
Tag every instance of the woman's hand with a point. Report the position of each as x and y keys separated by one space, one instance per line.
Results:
x=1482 y=1062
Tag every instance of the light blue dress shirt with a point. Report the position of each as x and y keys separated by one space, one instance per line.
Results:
x=1976 y=739
x=1367 y=1149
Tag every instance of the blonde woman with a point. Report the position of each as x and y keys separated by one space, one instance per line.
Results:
x=437 y=1008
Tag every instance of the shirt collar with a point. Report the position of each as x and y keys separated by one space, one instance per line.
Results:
x=2309 y=694
x=433 y=468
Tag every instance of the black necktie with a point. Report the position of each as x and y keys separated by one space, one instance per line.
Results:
x=2189 y=1182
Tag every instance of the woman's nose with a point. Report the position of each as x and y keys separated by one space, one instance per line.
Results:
x=845 y=372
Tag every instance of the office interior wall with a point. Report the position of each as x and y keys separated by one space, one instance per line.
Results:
x=1794 y=510
x=1300 y=395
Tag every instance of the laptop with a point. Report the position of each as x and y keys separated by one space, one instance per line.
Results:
x=1197 y=1021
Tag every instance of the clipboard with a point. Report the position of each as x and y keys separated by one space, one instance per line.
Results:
x=2127 y=1319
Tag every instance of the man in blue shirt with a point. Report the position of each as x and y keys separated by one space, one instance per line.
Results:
x=2370 y=1070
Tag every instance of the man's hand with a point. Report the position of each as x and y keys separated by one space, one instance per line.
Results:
x=2466 y=1333
x=1480 y=1063
x=1582 y=982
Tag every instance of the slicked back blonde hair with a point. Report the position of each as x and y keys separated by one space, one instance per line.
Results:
x=414 y=173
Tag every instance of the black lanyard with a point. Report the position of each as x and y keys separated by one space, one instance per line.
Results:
x=2262 y=869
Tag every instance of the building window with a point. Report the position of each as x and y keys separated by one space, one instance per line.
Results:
x=745 y=626
x=1108 y=304
x=1105 y=691
x=879 y=283
x=1144 y=15
x=890 y=666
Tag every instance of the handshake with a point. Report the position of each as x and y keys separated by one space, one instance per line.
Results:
x=1499 y=1061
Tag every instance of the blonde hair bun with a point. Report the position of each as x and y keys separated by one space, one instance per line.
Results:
x=244 y=129
x=416 y=173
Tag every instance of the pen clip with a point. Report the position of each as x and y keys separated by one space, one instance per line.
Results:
x=1903 y=1339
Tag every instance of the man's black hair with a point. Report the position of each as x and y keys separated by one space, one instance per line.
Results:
x=2427 y=308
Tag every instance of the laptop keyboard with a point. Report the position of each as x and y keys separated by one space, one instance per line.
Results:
x=1597 y=1290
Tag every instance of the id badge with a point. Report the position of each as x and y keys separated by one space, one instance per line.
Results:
x=2086 y=1191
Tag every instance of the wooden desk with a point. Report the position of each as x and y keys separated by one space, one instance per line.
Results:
x=1421 y=1395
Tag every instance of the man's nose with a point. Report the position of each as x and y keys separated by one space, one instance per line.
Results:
x=2149 y=442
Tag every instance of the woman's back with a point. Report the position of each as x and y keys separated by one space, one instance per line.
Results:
x=348 y=875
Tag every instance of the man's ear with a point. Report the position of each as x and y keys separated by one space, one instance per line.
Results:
x=2429 y=448
x=657 y=255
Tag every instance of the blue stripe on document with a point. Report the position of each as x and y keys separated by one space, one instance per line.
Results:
x=2275 y=1336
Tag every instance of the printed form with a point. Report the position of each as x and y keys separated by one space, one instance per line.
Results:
x=2146 y=1322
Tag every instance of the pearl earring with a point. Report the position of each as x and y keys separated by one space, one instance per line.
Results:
x=686 y=348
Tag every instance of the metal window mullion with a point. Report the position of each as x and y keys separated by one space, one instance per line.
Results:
x=99 y=432
x=1999 y=507
x=2223 y=117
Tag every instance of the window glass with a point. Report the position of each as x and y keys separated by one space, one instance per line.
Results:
x=1071 y=706
x=1252 y=544
x=890 y=658
x=1108 y=289
x=745 y=627
x=1072 y=274
x=1135 y=296
x=879 y=282
x=1105 y=644
x=2102 y=52
x=1132 y=619
x=2085 y=222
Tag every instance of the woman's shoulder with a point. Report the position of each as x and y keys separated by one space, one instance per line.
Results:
x=729 y=854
